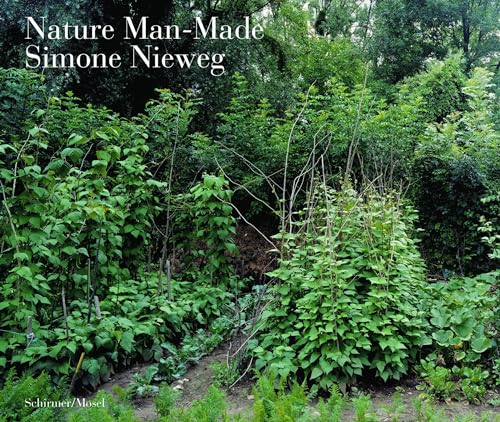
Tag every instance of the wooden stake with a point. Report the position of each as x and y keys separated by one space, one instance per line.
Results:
x=97 y=306
x=150 y=252
x=65 y=312
x=80 y=361
x=88 y=280
x=160 y=274
x=94 y=281
x=169 y=277
x=30 y=330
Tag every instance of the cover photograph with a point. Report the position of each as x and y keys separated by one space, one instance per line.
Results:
x=250 y=210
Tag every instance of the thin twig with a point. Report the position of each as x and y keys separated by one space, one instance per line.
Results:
x=250 y=224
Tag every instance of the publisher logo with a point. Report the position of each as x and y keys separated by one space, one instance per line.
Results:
x=75 y=402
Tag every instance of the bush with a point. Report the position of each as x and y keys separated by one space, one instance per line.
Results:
x=212 y=408
x=78 y=205
x=456 y=180
x=21 y=92
x=345 y=301
x=113 y=411
x=16 y=392
x=464 y=315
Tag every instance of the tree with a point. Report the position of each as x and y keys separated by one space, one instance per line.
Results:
x=408 y=32
x=339 y=18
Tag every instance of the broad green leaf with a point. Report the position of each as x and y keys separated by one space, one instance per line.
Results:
x=316 y=372
x=126 y=341
x=481 y=344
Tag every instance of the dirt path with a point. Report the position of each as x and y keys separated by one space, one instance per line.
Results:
x=240 y=399
x=383 y=405
x=199 y=379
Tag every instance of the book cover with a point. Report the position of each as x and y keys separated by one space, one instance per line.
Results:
x=262 y=210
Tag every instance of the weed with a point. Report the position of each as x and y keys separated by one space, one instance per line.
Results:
x=165 y=400
x=438 y=383
x=223 y=374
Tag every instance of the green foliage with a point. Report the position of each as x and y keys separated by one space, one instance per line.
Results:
x=456 y=180
x=473 y=383
x=333 y=408
x=439 y=383
x=165 y=400
x=189 y=352
x=463 y=319
x=346 y=301
x=407 y=33
x=363 y=409
x=436 y=135
x=443 y=384
x=113 y=411
x=212 y=408
x=253 y=140
x=135 y=325
x=207 y=230
x=77 y=206
x=170 y=156
x=315 y=60
x=396 y=408
x=244 y=130
x=224 y=374
x=272 y=405
x=141 y=386
x=339 y=21
x=78 y=195
x=344 y=62
x=16 y=392
x=440 y=86
x=21 y=93
x=194 y=347
x=463 y=324
x=426 y=412
x=86 y=193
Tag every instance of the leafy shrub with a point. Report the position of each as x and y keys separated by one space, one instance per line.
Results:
x=113 y=410
x=464 y=315
x=76 y=197
x=456 y=180
x=21 y=92
x=224 y=374
x=16 y=391
x=142 y=386
x=441 y=88
x=135 y=325
x=346 y=298
x=206 y=229
x=449 y=199
x=442 y=383
x=78 y=201
x=168 y=120
x=439 y=383
x=165 y=400
x=253 y=141
x=473 y=383
x=212 y=408
x=277 y=405
x=244 y=130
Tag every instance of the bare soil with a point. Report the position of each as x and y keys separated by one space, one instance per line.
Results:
x=240 y=399
x=254 y=259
